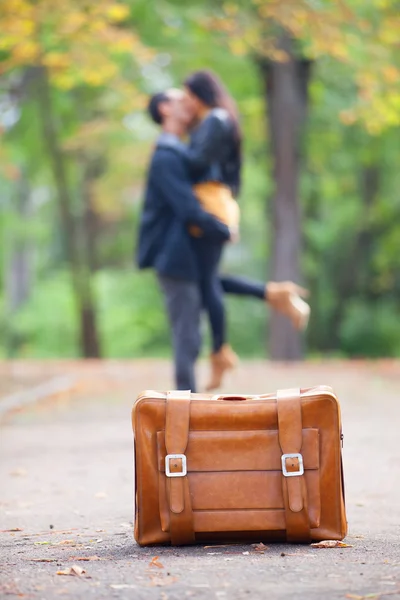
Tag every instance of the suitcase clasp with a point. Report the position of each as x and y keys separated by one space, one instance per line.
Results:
x=168 y=471
x=287 y=473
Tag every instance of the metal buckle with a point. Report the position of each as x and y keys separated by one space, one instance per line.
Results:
x=292 y=473
x=167 y=469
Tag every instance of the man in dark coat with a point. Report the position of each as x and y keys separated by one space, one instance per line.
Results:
x=170 y=208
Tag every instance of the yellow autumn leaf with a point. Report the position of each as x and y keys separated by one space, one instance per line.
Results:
x=391 y=74
x=266 y=11
x=26 y=27
x=117 y=12
x=238 y=47
x=97 y=25
x=122 y=45
x=389 y=35
x=331 y=544
x=93 y=78
x=6 y=42
x=73 y=22
x=13 y=6
x=56 y=60
x=339 y=50
x=27 y=51
x=99 y=76
x=279 y=55
x=230 y=8
x=63 y=81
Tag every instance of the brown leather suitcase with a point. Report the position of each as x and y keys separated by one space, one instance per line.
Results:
x=238 y=468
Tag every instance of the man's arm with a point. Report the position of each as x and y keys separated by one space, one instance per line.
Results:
x=176 y=188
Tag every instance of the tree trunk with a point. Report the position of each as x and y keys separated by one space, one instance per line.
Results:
x=18 y=266
x=80 y=273
x=286 y=85
x=89 y=223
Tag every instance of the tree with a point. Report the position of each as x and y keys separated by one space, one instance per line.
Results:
x=65 y=51
x=284 y=37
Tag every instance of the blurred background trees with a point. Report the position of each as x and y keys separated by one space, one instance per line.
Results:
x=318 y=87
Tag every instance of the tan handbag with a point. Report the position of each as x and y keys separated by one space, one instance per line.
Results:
x=238 y=468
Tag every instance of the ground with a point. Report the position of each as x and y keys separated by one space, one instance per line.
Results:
x=66 y=477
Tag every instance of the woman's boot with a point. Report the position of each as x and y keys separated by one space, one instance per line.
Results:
x=285 y=298
x=221 y=361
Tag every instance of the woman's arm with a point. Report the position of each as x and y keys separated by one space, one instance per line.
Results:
x=205 y=147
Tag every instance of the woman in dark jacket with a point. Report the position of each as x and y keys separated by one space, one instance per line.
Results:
x=214 y=160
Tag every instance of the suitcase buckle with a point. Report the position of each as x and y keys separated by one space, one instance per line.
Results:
x=167 y=467
x=292 y=473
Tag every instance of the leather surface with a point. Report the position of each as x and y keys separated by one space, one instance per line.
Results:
x=177 y=419
x=234 y=487
x=294 y=489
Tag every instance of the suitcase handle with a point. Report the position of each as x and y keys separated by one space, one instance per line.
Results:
x=232 y=397
x=239 y=397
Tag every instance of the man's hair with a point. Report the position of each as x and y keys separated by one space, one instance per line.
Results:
x=154 y=106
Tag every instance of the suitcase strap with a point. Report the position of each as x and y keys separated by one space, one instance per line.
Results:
x=176 y=440
x=293 y=480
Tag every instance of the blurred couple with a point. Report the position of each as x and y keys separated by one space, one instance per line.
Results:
x=189 y=214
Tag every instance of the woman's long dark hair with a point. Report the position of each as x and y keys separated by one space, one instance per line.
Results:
x=211 y=91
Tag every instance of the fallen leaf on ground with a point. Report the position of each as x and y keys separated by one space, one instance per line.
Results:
x=74 y=570
x=331 y=544
x=43 y=559
x=156 y=563
x=44 y=543
x=11 y=530
x=260 y=547
x=65 y=542
x=54 y=531
x=99 y=540
x=161 y=581
x=85 y=558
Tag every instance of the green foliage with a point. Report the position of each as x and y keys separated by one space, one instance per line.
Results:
x=371 y=330
x=132 y=320
x=46 y=326
x=351 y=254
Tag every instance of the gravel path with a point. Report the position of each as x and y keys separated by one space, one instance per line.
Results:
x=66 y=485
